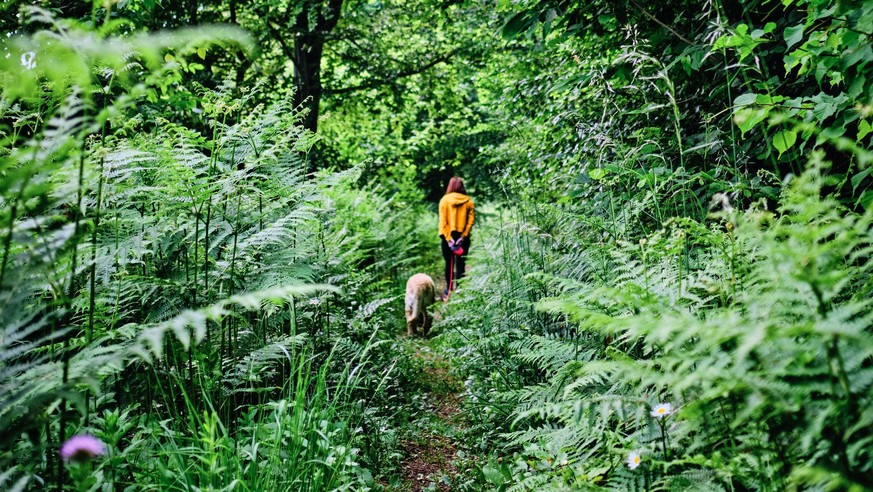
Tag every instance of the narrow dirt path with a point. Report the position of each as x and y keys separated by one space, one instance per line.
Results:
x=431 y=450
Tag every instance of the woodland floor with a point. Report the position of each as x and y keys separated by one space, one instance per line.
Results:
x=430 y=447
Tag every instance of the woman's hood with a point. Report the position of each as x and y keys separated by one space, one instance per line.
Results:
x=456 y=199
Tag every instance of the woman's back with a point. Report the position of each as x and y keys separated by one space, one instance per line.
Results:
x=456 y=215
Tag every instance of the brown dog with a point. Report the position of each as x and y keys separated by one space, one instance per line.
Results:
x=420 y=293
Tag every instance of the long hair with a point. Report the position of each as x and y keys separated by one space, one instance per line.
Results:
x=456 y=185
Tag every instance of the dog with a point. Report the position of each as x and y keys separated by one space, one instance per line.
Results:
x=420 y=293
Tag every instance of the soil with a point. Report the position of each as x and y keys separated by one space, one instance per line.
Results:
x=427 y=462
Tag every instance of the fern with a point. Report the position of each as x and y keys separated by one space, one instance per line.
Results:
x=150 y=268
x=758 y=333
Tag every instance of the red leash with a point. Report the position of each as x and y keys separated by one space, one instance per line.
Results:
x=451 y=273
x=455 y=245
x=452 y=270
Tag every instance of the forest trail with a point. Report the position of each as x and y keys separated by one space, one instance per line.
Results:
x=431 y=448
x=204 y=233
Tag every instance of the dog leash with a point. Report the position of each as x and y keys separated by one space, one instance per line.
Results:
x=451 y=273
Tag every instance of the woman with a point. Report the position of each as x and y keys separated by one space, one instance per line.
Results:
x=456 y=220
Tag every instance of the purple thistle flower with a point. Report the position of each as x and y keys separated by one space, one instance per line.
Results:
x=82 y=448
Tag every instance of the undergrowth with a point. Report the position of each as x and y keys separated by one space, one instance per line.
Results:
x=679 y=316
x=753 y=326
x=187 y=294
x=671 y=293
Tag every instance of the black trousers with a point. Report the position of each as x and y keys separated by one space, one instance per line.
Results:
x=459 y=261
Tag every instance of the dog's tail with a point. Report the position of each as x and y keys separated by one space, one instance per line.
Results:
x=413 y=304
x=416 y=304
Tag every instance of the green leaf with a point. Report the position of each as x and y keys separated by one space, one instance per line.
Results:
x=857 y=87
x=201 y=52
x=648 y=149
x=516 y=24
x=570 y=82
x=859 y=177
x=784 y=140
x=597 y=173
x=768 y=99
x=794 y=35
x=864 y=129
x=367 y=477
x=826 y=105
x=493 y=475
x=605 y=20
x=745 y=99
x=865 y=200
x=748 y=118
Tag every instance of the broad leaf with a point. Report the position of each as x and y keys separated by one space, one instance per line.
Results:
x=794 y=35
x=784 y=140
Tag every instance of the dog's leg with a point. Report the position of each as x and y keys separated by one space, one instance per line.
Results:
x=428 y=322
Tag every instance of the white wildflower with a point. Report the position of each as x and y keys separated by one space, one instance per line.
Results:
x=633 y=460
x=662 y=410
x=28 y=60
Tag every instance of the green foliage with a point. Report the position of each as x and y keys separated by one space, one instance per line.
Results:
x=754 y=327
x=76 y=54
x=755 y=363
x=826 y=55
x=189 y=295
x=671 y=267
x=679 y=214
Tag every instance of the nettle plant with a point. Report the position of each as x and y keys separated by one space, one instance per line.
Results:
x=818 y=96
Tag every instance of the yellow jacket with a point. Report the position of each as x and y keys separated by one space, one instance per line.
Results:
x=456 y=214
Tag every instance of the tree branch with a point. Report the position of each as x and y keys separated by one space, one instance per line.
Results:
x=289 y=52
x=665 y=26
x=391 y=77
x=329 y=21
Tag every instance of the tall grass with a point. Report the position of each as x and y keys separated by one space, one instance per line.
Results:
x=301 y=436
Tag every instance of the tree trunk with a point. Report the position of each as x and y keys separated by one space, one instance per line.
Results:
x=315 y=19
x=307 y=77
